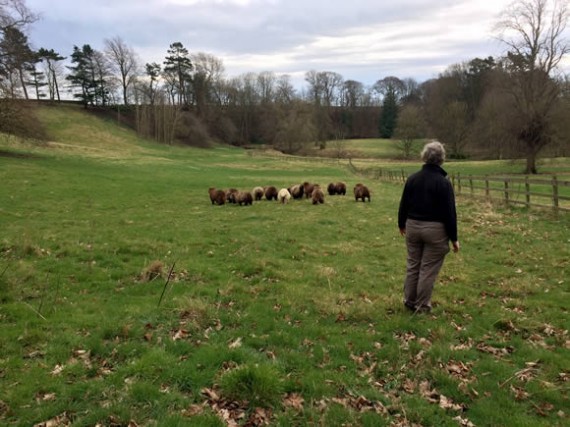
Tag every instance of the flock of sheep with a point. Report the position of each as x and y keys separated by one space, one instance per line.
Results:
x=299 y=191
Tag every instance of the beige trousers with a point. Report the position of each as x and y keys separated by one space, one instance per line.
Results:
x=427 y=244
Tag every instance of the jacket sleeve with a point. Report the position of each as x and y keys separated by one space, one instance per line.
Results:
x=403 y=209
x=451 y=214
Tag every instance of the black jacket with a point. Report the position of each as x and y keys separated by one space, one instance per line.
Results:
x=428 y=196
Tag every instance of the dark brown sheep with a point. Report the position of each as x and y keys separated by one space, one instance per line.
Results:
x=308 y=189
x=331 y=189
x=258 y=193
x=317 y=195
x=296 y=191
x=271 y=193
x=231 y=195
x=217 y=197
x=244 y=198
x=361 y=192
x=340 y=188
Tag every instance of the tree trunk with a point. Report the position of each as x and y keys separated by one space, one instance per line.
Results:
x=23 y=82
x=531 y=162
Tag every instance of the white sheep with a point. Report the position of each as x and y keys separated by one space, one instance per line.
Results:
x=283 y=196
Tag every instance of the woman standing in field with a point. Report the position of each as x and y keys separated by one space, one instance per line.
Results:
x=428 y=220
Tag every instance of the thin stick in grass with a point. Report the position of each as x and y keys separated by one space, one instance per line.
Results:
x=35 y=311
x=166 y=284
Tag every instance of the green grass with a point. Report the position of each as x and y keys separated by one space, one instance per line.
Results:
x=285 y=314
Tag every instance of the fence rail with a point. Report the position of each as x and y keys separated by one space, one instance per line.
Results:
x=552 y=193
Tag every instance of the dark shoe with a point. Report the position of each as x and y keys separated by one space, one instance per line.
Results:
x=424 y=309
x=410 y=306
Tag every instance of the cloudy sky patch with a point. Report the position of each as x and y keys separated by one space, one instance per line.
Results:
x=362 y=40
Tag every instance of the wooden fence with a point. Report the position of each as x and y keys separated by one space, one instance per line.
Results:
x=551 y=192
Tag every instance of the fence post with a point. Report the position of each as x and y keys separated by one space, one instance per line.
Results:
x=471 y=184
x=527 y=190
x=555 y=192
x=506 y=190
x=487 y=186
x=403 y=176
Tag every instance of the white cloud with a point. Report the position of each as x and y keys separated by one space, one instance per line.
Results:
x=360 y=39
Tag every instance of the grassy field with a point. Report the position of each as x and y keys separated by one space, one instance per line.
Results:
x=127 y=299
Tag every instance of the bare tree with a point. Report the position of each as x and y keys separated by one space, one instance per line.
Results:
x=324 y=87
x=284 y=91
x=490 y=135
x=352 y=94
x=411 y=127
x=390 y=85
x=123 y=61
x=533 y=31
x=15 y=14
x=209 y=75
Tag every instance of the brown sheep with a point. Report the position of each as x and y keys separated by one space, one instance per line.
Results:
x=245 y=198
x=296 y=191
x=231 y=195
x=217 y=197
x=271 y=193
x=361 y=192
x=340 y=188
x=317 y=195
x=258 y=193
x=331 y=189
x=308 y=189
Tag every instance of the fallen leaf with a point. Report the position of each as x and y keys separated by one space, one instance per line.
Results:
x=58 y=369
x=193 y=410
x=179 y=334
x=235 y=343
x=61 y=420
x=45 y=397
x=294 y=400
x=520 y=393
x=463 y=422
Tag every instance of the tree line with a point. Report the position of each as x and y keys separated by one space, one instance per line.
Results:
x=494 y=107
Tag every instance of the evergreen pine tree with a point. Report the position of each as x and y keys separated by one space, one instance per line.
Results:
x=389 y=115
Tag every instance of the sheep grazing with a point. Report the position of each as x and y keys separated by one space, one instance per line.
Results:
x=231 y=195
x=258 y=193
x=317 y=195
x=217 y=197
x=244 y=198
x=308 y=189
x=271 y=193
x=331 y=189
x=297 y=191
x=336 y=188
x=340 y=188
x=361 y=192
x=283 y=196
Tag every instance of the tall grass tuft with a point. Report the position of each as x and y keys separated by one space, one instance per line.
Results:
x=258 y=384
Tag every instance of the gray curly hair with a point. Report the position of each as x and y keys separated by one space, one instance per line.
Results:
x=433 y=153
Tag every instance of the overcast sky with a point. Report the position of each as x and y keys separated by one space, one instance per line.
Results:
x=363 y=40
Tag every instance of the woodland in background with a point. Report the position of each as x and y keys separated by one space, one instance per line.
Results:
x=512 y=106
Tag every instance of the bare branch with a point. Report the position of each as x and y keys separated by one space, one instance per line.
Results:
x=15 y=13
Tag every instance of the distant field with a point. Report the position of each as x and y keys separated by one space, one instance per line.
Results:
x=127 y=298
x=374 y=148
